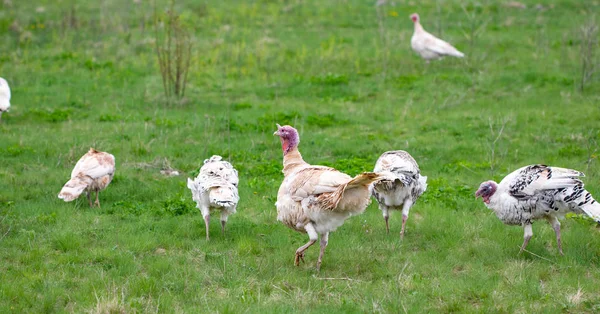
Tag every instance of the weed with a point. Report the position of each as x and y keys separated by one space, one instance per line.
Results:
x=589 y=46
x=178 y=205
x=241 y=106
x=330 y=79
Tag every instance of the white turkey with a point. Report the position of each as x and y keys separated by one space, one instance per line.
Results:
x=4 y=96
x=403 y=185
x=538 y=192
x=92 y=173
x=316 y=199
x=215 y=187
x=428 y=46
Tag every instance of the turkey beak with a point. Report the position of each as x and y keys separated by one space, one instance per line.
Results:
x=278 y=128
x=478 y=194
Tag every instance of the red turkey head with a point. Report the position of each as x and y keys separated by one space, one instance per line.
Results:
x=289 y=137
x=486 y=190
x=414 y=17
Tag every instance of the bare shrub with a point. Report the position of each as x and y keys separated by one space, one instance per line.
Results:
x=174 y=50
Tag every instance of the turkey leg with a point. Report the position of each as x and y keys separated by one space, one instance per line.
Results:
x=324 y=241
x=405 y=209
x=527 y=236
x=87 y=193
x=386 y=217
x=312 y=233
x=207 y=224
x=556 y=226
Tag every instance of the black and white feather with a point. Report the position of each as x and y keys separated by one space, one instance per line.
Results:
x=215 y=187
x=538 y=192
x=402 y=186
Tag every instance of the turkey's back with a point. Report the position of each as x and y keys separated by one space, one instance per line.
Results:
x=99 y=166
x=304 y=196
x=403 y=178
x=543 y=203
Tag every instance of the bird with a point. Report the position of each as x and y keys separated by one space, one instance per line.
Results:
x=316 y=199
x=403 y=189
x=538 y=192
x=4 y=96
x=428 y=46
x=215 y=187
x=93 y=173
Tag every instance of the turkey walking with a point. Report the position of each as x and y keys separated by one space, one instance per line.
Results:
x=402 y=187
x=428 y=46
x=316 y=199
x=538 y=192
x=92 y=173
x=215 y=187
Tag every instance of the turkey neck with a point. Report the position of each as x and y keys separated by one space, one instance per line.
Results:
x=291 y=161
x=418 y=27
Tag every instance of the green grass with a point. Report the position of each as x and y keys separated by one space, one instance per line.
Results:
x=84 y=73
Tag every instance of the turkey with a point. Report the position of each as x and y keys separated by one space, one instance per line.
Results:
x=428 y=46
x=538 y=192
x=92 y=173
x=403 y=189
x=4 y=96
x=215 y=187
x=316 y=199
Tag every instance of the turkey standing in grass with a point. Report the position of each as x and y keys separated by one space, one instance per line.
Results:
x=4 y=96
x=402 y=187
x=538 y=192
x=215 y=187
x=428 y=46
x=93 y=172
x=316 y=199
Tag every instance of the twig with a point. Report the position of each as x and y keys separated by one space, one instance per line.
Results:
x=332 y=278
x=4 y=235
x=551 y=261
x=591 y=143
x=382 y=37
x=493 y=144
x=473 y=171
x=589 y=44
x=277 y=287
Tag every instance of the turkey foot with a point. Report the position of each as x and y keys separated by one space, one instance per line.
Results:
x=300 y=252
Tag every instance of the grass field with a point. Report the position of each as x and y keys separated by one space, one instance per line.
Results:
x=84 y=74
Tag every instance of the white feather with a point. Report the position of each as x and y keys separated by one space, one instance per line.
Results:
x=215 y=187
x=4 y=95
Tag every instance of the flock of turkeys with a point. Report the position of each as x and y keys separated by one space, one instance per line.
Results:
x=316 y=200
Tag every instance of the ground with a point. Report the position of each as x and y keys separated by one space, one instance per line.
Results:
x=85 y=74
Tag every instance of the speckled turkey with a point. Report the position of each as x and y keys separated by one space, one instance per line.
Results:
x=538 y=192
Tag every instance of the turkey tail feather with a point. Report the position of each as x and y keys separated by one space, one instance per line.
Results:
x=423 y=182
x=72 y=189
x=590 y=206
x=223 y=196
x=362 y=180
